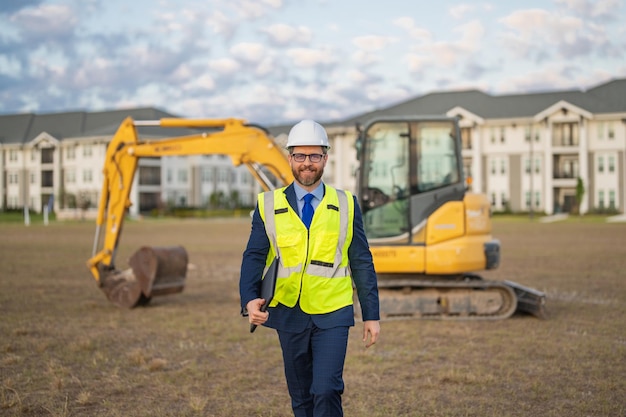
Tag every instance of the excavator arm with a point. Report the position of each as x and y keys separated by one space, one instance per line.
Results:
x=244 y=144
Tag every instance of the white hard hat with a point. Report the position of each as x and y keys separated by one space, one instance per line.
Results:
x=307 y=133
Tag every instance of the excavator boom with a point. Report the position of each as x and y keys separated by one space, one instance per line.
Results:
x=151 y=267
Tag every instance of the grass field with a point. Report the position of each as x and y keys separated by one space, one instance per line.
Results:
x=66 y=351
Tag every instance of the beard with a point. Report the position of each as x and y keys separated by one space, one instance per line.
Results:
x=307 y=176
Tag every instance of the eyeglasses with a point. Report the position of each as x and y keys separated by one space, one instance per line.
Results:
x=313 y=157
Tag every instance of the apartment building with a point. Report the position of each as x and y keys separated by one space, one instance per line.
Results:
x=529 y=151
x=56 y=160
x=525 y=152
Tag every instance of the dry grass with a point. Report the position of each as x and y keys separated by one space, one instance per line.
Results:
x=65 y=351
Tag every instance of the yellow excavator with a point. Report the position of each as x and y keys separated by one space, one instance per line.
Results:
x=428 y=234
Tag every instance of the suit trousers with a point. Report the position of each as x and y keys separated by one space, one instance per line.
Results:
x=314 y=360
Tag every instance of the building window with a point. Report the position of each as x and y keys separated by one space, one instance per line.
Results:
x=223 y=176
x=611 y=163
x=13 y=155
x=169 y=176
x=466 y=137
x=527 y=133
x=611 y=131
x=601 y=198
x=600 y=130
x=527 y=199
x=493 y=167
x=207 y=174
x=502 y=139
x=612 y=199
x=493 y=135
x=70 y=152
x=47 y=155
x=70 y=176
x=47 y=179
x=149 y=175
x=87 y=176
x=565 y=134
x=87 y=151
x=537 y=166
x=32 y=178
x=182 y=176
x=600 y=164
x=503 y=166
x=527 y=165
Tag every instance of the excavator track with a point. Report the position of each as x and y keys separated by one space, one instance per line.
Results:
x=467 y=298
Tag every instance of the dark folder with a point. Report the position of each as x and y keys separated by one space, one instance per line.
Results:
x=268 y=286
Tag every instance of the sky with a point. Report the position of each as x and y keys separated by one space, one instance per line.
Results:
x=279 y=61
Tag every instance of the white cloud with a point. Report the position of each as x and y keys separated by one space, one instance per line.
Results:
x=265 y=67
x=447 y=54
x=373 y=42
x=592 y=8
x=182 y=73
x=48 y=20
x=358 y=77
x=472 y=34
x=254 y=9
x=224 y=65
x=282 y=34
x=415 y=32
x=363 y=58
x=222 y=24
x=459 y=11
x=10 y=66
x=417 y=63
x=250 y=52
x=203 y=82
x=308 y=57
x=540 y=34
x=531 y=24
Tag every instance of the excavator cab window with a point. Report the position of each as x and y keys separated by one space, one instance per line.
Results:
x=385 y=179
x=408 y=166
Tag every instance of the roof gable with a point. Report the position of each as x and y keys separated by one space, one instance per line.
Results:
x=563 y=106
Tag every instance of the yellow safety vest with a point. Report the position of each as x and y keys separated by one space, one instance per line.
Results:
x=313 y=263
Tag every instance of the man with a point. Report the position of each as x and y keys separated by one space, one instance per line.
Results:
x=312 y=309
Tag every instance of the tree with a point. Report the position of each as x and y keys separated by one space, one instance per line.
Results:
x=580 y=192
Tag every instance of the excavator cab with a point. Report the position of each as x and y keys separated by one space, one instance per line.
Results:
x=409 y=168
x=428 y=234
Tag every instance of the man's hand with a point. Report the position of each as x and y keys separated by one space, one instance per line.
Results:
x=371 y=329
x=255 y=315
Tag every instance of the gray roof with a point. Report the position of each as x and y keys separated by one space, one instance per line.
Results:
x=609 y=97
x=22 y=128
x=605 y=98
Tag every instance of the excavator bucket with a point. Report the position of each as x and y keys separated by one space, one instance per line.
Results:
x=153 y=271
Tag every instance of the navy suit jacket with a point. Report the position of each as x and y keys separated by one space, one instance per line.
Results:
x=294 y=319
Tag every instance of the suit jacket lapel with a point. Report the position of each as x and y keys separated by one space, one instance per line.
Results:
x=290 y=193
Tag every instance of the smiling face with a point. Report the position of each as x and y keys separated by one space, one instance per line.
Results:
x=308 y=174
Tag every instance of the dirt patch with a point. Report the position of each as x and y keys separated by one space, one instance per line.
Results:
x=66 y=351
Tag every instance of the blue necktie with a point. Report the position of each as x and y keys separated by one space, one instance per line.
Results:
x=307 y=210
